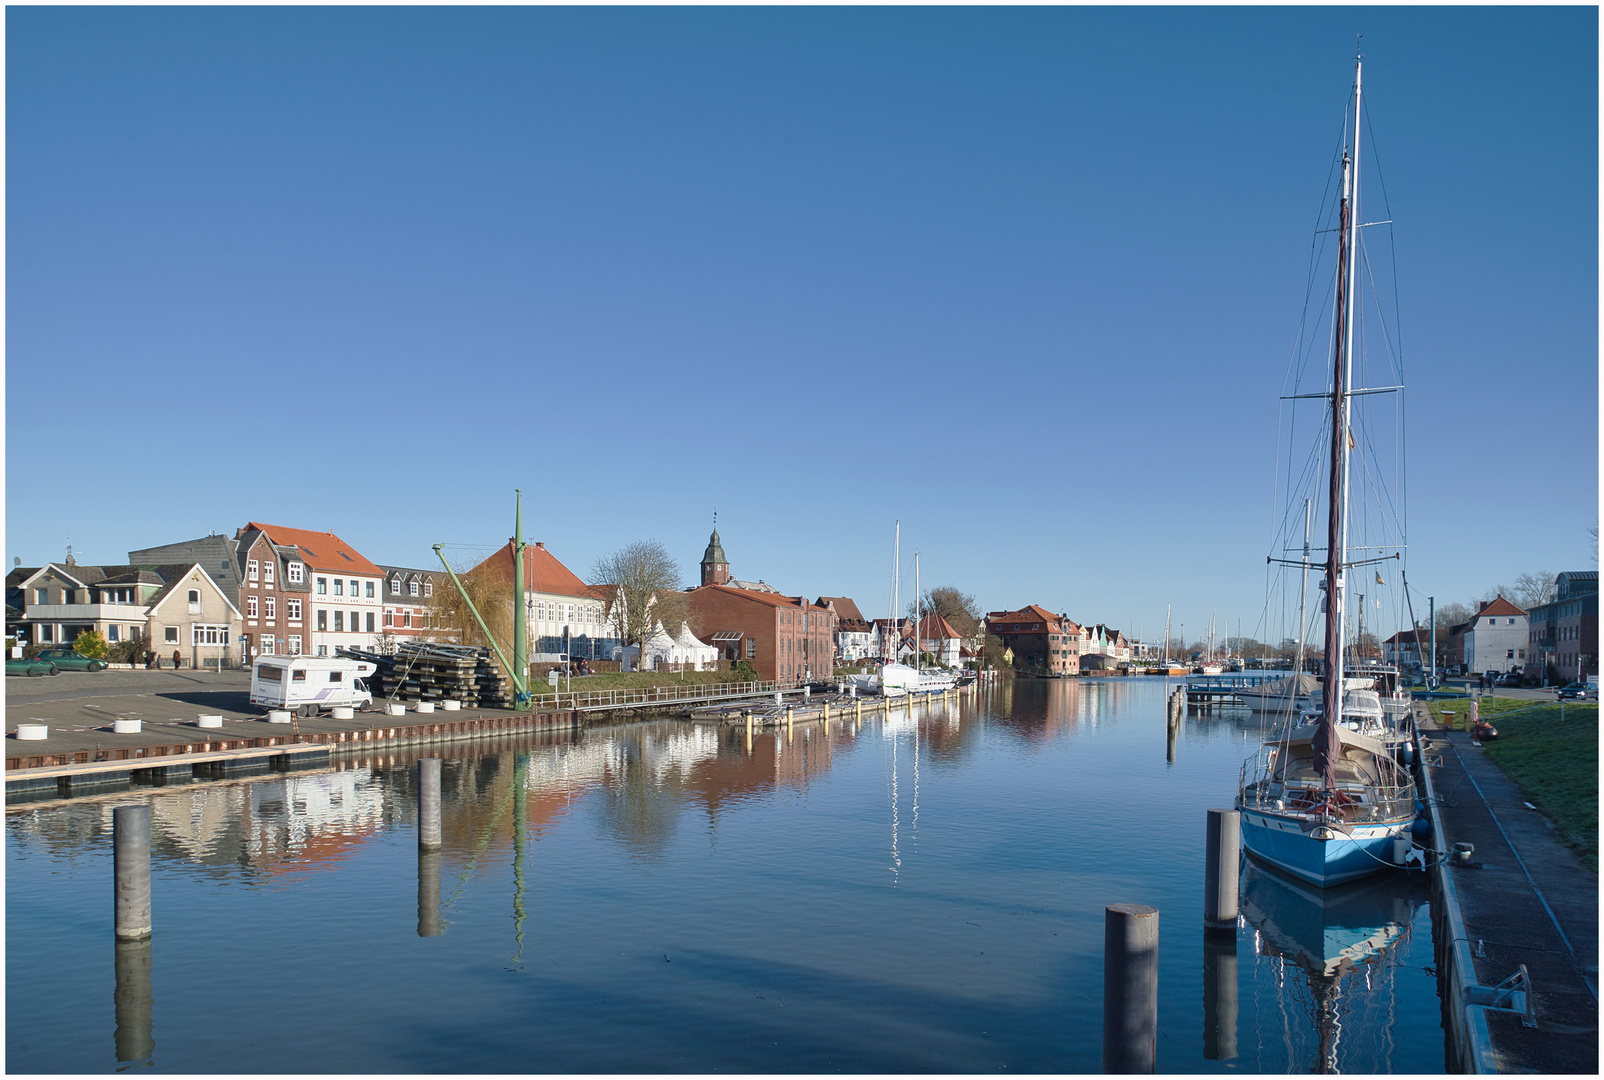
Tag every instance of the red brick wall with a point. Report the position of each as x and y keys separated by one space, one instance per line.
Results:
x=786 y=649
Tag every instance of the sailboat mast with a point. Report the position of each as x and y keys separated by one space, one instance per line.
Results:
x=918 y=605
x=896 y=593
x=1326 y=745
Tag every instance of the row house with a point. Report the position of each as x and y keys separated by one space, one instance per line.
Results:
x=891 y=639
x=1103 y=648
x=1562 y=635
x=787 y=639
x=1496 y=638
x=1403 y=649
x=854 y=637
x=565 y=617
x=408 y=604
x=1042 y=643
x=331 y=592
x=173 y=608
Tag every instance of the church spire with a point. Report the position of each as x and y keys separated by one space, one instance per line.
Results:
x=715 y=566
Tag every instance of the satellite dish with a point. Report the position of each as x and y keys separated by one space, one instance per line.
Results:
x=16 y=560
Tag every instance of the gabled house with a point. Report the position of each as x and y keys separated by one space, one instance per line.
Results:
x=854 y=637
x=938 y=639
x=564 y=615
x=1496 y=638
x=1563 y=633
x=1403 y=649
x=194 y=617
x=275 y=595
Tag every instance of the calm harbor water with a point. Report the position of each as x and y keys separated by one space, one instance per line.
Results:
x=925 y=893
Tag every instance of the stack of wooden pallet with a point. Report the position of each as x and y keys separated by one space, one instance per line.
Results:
x=426 y=671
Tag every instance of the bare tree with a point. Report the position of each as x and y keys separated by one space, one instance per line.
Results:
x=1534 y=589
x=954 y=605
x=645 y=581
x=1451 y=615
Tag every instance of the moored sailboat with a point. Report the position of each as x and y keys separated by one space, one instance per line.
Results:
x=1327 y=801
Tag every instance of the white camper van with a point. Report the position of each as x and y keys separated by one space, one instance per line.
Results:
x=309 y=683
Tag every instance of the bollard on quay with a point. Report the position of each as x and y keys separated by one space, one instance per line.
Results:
x=1220 y=874
x=130 y=846
x=1130 y=988
x=428 y=802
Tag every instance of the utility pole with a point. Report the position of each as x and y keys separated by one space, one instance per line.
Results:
x=1432 y=602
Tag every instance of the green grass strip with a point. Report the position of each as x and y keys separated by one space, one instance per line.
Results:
x=1555 y=765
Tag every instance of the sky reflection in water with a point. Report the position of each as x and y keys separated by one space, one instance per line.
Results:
x=914 y=896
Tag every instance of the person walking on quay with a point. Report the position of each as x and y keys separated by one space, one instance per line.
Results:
x=178 y=659
x=150 y=659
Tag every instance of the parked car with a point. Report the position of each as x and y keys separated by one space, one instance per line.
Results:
x=1512 y=678
x=1578 y=691
x=30 y=668
x=67 y=659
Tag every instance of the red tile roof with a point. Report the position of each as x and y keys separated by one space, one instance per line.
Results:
x=935 y=628
x=845 y=608
x=323 y=550
x=1500 y=606
x=543 y=573
x=776 y=600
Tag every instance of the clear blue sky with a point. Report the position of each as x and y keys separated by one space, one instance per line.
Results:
x=1026 y=279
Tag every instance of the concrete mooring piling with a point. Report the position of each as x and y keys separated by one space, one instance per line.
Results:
x=1219 y=997
x=130 y=839
x=131 y=1001
x=428 y=802
x=428 y=892
x=1222 y=870
x=1130 y=988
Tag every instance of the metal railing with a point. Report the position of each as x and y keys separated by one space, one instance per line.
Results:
x=654 y=695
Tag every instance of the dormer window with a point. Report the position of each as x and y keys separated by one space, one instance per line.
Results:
x=413 y=588
x=395 y=586
x=428 y=588
x=296 y=573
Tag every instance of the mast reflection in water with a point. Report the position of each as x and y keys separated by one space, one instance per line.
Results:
x=1344 y=943
x=921 y=892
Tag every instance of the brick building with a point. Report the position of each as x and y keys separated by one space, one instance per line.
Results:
x=1042 y=643
x=788 y=639
x=1563 y=634
x=408 y=603
x=344 y=604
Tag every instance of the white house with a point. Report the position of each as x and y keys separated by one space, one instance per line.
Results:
x=564 y=615
x=940 y=640
x=854 y=637
x=1496 y=639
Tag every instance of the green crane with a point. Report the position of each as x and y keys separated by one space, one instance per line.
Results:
x=519 y=668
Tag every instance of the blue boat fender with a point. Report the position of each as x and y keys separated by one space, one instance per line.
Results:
x=1421 y=828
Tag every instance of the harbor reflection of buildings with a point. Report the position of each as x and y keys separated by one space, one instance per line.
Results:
x=1040 y=710
x=641 y=778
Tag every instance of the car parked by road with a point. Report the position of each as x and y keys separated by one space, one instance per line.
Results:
x=67 y=659
x=1578 y=691
x=31 y=668
x=1512 y=678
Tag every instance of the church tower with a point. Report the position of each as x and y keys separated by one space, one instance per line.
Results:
x=715 y=567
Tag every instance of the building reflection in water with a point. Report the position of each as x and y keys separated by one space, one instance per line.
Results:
x=1036 y=711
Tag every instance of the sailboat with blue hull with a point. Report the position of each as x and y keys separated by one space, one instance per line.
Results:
x=1328 y=801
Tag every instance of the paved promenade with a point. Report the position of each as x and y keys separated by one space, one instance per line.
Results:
x=1526 y=900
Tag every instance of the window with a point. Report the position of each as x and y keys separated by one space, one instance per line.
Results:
x=1512 y=622
x=339 y=587
x=170 y=635
x=355 y=585
x=252 y=568
x=292 y=608
x=751 y=648
x=370 y=622
x=41 y=596
x=406 y=619
x=368 y=589
x=271 y=603
x=250 y=607
x=267 y=645
x=194 y=601
x=111 y=632
x=267 y=573
x=294 y=646
x=322 y=586
x=201 y=634
x=356 y=621
x=395 y=586
x=323 y=650
x=295 y=573
x=47 y=634
x=339 y=620
x=322 y=619
x=428 y=588
x=1510 y=655
x=389 y=617
x=412 y=587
